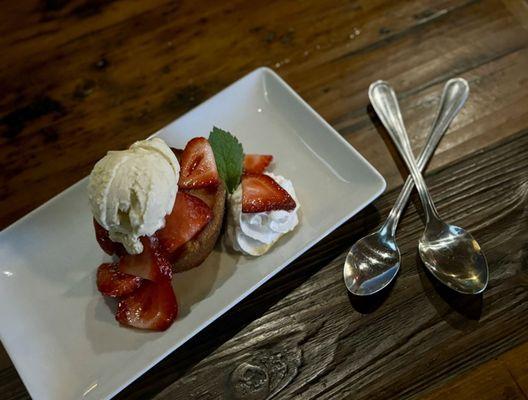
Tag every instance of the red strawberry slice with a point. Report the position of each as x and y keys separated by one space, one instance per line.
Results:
x=207 y=195
x=198 y=165
x=108 y=246
x=152 y=306
x=112 y=282
x=188 y=217
x=261 y=193
x=151 y=264
x=256 y=163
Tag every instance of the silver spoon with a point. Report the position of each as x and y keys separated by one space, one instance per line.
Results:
x=374 y=261
x=449 y=252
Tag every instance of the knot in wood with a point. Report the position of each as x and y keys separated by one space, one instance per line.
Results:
x=263 y=375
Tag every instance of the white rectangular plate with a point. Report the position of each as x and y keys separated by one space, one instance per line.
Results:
x=61 y=333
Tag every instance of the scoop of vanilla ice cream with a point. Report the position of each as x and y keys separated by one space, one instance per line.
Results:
x=131 y=191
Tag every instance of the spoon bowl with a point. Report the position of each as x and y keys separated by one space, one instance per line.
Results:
x=371 y=264
x=454 y=257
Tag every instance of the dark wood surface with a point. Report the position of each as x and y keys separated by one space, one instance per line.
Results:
x=504 y=377
x=81 y=77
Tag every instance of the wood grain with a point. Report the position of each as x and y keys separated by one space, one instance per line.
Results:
x=515 y=362
x=502 y=378
x=81 y=77
x=481 y=384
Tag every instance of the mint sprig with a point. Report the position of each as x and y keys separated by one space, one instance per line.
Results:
x=229 y=157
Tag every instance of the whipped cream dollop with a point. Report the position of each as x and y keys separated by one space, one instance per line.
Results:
x=255 y=233
x=131 y=191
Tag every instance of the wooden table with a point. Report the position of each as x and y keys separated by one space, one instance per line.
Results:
x=81 y=77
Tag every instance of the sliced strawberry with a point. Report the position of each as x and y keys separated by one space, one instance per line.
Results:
x=188 y=217
x=152 y=306
x=108 y=246
x=207 y=195
x=261 y=193
x=151 y=264
x=112 y=282
x=256 y=163
x=198 y=165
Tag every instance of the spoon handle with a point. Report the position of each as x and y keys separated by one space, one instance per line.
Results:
x=454 y=96
x=385 y=103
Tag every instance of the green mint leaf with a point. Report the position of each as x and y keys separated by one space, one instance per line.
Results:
x=229 y=157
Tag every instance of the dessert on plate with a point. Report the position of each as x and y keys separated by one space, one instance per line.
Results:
x=159 y=210
x=263 y=208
